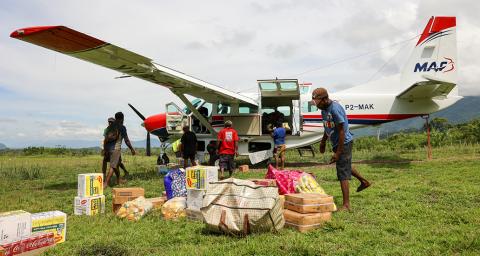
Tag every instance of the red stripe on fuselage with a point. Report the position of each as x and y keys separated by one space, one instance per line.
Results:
x=437 y=24
x=373 y=116
x=57 y=38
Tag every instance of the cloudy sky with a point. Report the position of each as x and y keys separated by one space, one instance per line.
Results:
x=46 y=96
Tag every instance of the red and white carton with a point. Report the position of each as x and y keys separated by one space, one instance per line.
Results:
x=32 y=245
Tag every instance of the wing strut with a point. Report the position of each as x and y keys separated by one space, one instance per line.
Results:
x=197 y=114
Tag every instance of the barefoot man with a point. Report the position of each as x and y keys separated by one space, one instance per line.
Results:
x=335 y=125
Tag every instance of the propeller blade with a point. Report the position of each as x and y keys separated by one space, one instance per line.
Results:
x=136 y=111
x=148 y=144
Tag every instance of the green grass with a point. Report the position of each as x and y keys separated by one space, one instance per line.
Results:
x=415 y=207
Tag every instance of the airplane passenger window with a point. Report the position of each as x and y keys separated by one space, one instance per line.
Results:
x=308 y=107
x=247 y=109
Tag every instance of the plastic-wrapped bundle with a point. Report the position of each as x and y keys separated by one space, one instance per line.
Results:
x=135 y=209
x=174 y=208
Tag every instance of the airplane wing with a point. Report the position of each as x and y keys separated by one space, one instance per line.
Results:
x=431 y=88
x=76 y=44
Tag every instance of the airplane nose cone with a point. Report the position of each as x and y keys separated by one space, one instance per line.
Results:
x=156 y=124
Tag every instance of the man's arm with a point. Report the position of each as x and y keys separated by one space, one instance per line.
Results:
x=341 y=140
x=127 y=141
x=323 y=142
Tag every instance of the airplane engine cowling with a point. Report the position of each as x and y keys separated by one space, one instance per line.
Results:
x=157 y=125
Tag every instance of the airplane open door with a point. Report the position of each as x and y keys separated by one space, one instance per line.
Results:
x=280 y=99
x=176 y=119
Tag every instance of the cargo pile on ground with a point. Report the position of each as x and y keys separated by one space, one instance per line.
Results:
x=231 y=206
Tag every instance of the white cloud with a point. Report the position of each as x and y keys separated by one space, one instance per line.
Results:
x=230 y=44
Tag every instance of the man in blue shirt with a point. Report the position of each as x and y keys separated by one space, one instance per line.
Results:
x=278 y=135
x=335 y=125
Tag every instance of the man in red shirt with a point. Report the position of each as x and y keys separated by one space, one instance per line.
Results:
x=227 y=145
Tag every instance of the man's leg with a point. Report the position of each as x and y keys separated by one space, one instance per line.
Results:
x=192 y=160
x=230 y=165
x=109 y=176
x=363 y=182
x=346 y=194
x=282 y=157
x=104 y=167
x=122 y=166
x=185 y=162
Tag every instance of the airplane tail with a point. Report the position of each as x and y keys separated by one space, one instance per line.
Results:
x=435 y=54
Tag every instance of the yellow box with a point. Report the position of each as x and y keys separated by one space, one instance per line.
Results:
x=54 y=221
x=90 y=184
x=89 y=205
x=198 y=177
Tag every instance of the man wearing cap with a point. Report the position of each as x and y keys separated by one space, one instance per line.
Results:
x=335 y=125
x=106 y=155
x=227 y=144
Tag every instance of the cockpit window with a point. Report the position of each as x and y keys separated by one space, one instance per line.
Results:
x=195 y=103
x=223 y=109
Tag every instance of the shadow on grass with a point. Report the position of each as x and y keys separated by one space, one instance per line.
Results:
x=387 y=161
x=103 y=249
x=62 y=186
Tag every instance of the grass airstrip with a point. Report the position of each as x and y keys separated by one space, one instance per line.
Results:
x=415 y=207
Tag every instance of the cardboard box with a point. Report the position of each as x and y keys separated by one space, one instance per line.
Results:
x=265 y=182
x=89 y=205
x=157 y=202
x=128 y=192
x=54 y=221
x=14 y=225
x=310 y=203
x=305 y=221
x=195 y=198
x=243 y=168
x=32 y=245
x=198 y=177
x=90 y=184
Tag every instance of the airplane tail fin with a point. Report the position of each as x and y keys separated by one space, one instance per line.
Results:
x=435 y=54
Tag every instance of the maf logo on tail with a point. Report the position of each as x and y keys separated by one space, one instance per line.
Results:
x=436 y=66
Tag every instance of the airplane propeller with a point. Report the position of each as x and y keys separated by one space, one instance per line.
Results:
x=147 y=151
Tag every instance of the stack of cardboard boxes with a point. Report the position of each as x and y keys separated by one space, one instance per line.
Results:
x=308 y=211
x=22 y=233
x=90 y=199
x=197 y=179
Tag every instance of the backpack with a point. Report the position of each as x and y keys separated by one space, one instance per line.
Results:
x=112 y=135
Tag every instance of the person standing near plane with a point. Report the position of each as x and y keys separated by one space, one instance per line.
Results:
x=335 y=125
x=115 y=134
x=188 y=146
x=106 y=156
x=227 y=144
x=278 y=135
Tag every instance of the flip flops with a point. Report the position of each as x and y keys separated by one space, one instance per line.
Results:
x=363 y=186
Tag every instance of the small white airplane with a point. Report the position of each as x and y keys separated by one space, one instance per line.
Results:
x=427 y=84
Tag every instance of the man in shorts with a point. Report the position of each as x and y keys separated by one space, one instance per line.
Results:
x=114 y=136
x=335 y=125
x=278 y=135
x=106 y=156
x=227 y=144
